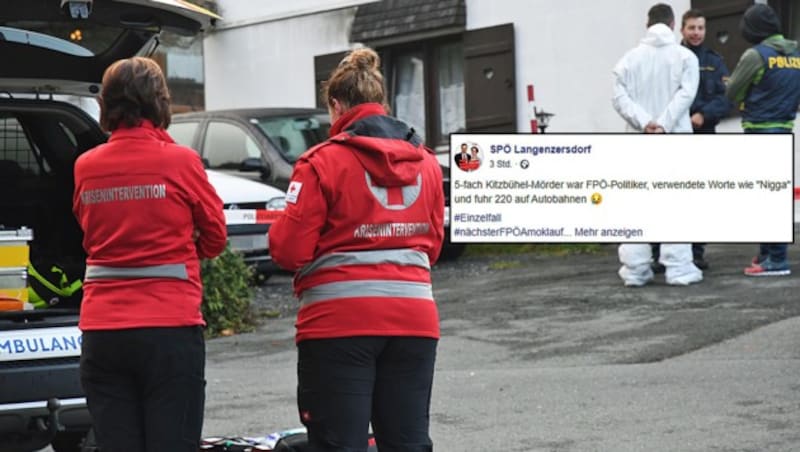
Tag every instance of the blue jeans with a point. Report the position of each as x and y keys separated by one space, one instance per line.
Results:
x=776 y=252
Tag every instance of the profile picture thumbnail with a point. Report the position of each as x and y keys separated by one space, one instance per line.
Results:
x=469 y=157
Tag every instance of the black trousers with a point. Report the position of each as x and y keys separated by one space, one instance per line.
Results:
x=145 y=388
x=346 y=383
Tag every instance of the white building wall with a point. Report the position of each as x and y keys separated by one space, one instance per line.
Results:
x=243 y=12
x=262 y=54
x=567 y=50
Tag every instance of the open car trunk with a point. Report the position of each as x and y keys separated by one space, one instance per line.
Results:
x=56 y=48
x=39 y=143
x=47 y=47
x=63 y=48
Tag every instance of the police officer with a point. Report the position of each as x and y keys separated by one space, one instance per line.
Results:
x=765 y=85
x=710 y=104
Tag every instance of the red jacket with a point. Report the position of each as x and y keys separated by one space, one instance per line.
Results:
x=363 y=224
x=140 y=200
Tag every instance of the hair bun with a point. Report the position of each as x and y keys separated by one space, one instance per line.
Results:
x=364 y=59
x=356 y=80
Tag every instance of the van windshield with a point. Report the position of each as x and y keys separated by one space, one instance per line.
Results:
x=292 y=136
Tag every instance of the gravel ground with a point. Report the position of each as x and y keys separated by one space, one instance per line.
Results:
x=552 y=353
x=274 y=298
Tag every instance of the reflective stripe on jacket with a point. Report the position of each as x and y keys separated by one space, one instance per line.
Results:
x=367 y=293
x=364 y=222
x=148 y=214
x=176 y=271
x=366 y=288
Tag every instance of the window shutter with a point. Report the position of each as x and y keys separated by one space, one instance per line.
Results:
x=489 y=79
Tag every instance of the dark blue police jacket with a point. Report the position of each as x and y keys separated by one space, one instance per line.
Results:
x=776 y=96
x=710 y=99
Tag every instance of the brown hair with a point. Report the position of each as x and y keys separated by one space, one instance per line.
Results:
x=357 y=80
x=693 y=13
x=134 y=89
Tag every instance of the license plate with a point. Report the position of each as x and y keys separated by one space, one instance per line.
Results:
x=248 y=242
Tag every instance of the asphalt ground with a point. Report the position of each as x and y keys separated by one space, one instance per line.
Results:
x=552 y=353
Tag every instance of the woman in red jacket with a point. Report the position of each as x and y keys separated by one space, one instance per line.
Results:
x=149 y=215
x=362 y=227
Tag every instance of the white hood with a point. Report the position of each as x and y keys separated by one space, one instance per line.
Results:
x=235 y=190
x=659 y=35
x=656 y=82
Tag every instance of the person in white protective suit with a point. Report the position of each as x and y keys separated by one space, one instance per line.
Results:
x=655 y=84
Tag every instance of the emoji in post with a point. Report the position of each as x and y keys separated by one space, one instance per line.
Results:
x=597 y=198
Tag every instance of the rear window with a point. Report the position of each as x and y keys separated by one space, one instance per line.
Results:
x=74 y=38
x=183 y=132
x=293 y=135
x=226 y=146
x=17 y=157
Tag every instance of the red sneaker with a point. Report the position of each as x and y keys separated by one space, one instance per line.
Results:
x=768 y=268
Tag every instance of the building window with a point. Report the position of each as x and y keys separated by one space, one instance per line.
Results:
x=452 y=115
x=17 y=155
x=409 y=90
x=440 y=85
x=181 y=59
x=426 y=87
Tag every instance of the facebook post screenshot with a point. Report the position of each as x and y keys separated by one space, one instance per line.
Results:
x=621 y=188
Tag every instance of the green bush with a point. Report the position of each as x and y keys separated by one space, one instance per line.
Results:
x=227 y=294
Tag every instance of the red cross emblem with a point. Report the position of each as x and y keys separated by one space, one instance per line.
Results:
x=396 y=198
